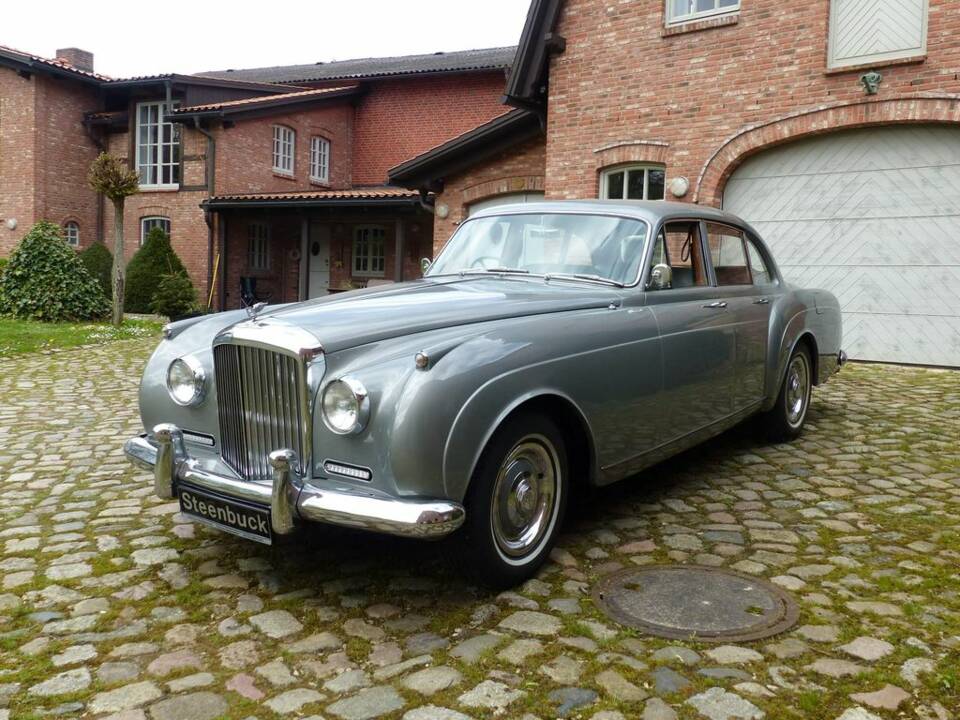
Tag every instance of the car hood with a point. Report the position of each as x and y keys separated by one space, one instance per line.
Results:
x=364 y=316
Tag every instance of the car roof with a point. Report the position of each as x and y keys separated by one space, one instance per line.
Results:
x=651 y=211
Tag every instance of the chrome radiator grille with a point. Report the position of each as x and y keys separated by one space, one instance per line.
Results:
x=260 y=394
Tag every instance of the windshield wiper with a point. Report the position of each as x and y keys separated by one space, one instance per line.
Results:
x=496 y=271
x=588 y=278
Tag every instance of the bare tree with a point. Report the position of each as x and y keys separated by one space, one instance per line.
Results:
x=111 y=177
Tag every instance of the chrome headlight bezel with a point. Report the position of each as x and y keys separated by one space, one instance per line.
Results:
x=361 y=401
x=199 y=381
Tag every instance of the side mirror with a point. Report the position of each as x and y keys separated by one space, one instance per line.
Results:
x=661 y=277
x=425 y=265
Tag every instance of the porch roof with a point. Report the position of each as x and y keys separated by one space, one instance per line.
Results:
x=379 y=196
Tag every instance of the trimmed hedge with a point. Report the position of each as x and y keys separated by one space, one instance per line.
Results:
x=175 y=296
x=45 y=280
x=99 y=263
x=154 y=260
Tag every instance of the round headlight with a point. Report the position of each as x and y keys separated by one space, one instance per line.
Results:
x=185 y=381
x=346 y=406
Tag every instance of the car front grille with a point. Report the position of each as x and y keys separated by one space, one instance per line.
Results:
x=260 y=395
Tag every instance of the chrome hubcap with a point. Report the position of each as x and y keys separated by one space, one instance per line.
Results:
x=525 y=496
x=798 y=390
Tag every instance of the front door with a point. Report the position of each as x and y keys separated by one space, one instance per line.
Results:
x=318 y=260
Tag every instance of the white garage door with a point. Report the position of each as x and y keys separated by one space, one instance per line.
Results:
x=873 y=216
x=510 y=199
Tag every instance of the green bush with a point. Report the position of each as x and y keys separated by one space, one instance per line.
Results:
x=175 y=296
x=154 y=260
x=45 y=280
x=3 y=264
x=99 y=263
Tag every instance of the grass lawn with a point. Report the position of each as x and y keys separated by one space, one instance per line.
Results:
x=24 y=336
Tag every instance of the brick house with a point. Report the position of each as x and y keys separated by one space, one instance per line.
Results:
x=830 y=125
x=271 y=180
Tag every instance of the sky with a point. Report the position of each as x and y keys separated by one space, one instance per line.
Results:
x=174 y=36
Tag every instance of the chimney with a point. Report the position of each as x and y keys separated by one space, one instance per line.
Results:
x=80 y=59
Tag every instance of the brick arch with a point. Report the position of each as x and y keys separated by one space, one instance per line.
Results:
x=499 y=186
x=635 y=151
x=818 y=121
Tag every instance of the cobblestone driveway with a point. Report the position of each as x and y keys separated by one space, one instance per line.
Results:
x=113 y=605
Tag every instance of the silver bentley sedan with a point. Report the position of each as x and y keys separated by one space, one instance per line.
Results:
x=549 y=345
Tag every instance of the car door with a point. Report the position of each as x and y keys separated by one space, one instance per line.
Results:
x=748 y=306
x=697 y=337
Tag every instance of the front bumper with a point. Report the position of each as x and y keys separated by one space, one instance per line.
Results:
x=288 y=498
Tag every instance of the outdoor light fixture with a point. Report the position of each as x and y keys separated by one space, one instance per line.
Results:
x=679 y=186
x=11 y=223
x=443 y=211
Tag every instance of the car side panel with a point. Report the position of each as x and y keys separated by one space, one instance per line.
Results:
x=607 y=365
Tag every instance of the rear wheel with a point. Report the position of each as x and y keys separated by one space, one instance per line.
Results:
x=788 y=416
x=516 y=501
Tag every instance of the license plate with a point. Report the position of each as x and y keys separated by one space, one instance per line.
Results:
x=237 y=518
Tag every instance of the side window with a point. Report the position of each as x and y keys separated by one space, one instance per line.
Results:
x=758 y=268
x=728 y=255
x=678 y=246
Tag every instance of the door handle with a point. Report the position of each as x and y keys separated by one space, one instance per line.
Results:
x=716 y=306
x=762 y=301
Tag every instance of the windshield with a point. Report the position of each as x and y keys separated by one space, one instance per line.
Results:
x=589 y=247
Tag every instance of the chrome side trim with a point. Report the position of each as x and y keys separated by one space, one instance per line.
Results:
x=288 y=500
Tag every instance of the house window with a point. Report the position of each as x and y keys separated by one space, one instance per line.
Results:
x=158 y=146
x=71 y=233
x=319 y=159
x=638 y=182
x=369 y=247
x=874 y=31
x=679 y=11
x=284 y=140
x=149 y=223
x=258 y=246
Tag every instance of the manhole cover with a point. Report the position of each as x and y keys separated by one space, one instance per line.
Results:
x=705 y=603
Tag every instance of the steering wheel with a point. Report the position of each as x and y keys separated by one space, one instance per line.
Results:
x=479 y=262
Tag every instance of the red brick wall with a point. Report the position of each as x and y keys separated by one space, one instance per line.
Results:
x=520 y=169
x=623 y=80
x=399 y=119
x=65 y=152
x=18 y=156
x=245 y=151
x=188 y=229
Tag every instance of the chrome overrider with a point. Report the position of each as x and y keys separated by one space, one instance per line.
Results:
x=289 y=498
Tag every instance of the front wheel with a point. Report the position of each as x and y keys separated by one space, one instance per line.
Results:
x=787 y=417
x=516 y=501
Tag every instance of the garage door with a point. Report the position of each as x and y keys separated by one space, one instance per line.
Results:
x=510 y=199
x=874 y=216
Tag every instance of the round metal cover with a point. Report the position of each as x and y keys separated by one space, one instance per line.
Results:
x=693 y=602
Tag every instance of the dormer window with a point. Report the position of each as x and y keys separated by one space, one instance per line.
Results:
x=158 y=146
x=284 y=141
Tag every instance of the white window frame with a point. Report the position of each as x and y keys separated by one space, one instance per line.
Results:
x=284 y=150
x=258 y=247
x=168 y=135
x=673 y=19
x=319 y=159
x=902 y=54
x=625 y=169
x=370 y=257
x=71 y=233
x=148 y=222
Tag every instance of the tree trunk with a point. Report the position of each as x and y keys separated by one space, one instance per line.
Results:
x=119 y=262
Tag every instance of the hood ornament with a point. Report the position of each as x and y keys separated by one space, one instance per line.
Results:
x=255 y=309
